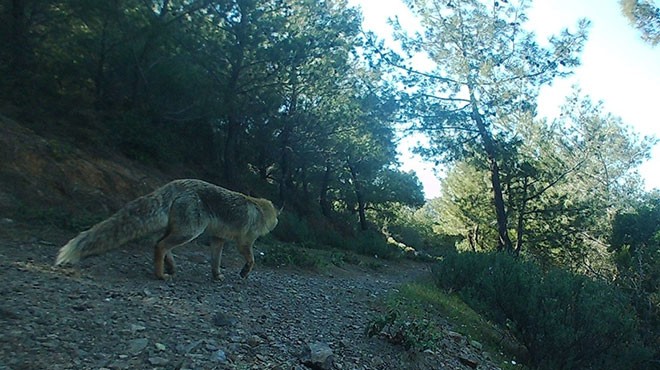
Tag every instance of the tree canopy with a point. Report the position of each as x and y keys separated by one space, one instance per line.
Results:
x=485 y=76
x=276 y=97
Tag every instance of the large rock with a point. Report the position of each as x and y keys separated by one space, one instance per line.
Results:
x=317 y=356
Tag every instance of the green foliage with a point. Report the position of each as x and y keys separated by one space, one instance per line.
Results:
x=487 y=73
x=373 y=243
x=318 y=233
x=292 y=228
x=414 y=227
x=419 y=315
x=137 y=139
x=398 y=326
x=635 y=242
x=562 y=181
x=248 y=92
x=293 y=256
x=464 y=208
x=59 y=218
x=645 y=16
x=566 y=321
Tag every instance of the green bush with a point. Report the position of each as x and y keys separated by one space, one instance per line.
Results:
x=288 y=255
x=373 y=243
x=138 y=137
x=322 y=235
x=401 y=327
x=292 y=228
x=566 y=321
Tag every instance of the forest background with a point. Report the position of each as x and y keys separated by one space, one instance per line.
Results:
x=292 y=100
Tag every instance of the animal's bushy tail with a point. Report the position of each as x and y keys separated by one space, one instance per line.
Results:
x=138 y=218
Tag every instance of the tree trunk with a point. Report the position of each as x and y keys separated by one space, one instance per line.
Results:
x=325 y=188
x=230 y=159
x=99 y=78
x=233 y=131
x=360 y=199
x=473 y=237
x=503 y=242
x=520 y=226
x=285 y=146
x=19 y=46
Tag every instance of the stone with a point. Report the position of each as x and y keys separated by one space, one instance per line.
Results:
x=219 y=356
x=254 y=340
x=158 y=361
x=137 y=327
x=465 y=360
x=222 y=320
x=317 y=355
x=456 y=337
x=137 y=345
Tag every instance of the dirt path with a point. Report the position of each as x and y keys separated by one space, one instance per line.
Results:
x=114 y=315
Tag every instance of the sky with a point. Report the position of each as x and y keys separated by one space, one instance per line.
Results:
x=617 y=68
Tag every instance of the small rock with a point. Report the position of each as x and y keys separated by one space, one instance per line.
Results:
x=254 y=340
x=137 y=345
x=186 y=348
x=377 y=362
x=317 y=355
x=261 y=357
x=219 y=356
x=9 y=314
x=476 y=344
x=468 y=361
x=456 y=337
x=222 y=320
x=136 y=328
x=158 y=361
x=160 y=347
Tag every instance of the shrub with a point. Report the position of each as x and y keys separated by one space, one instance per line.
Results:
x=398 y=326
x=288 y=255
x=294 y=229
x=315 y=233
x=566 y=321
x=373 y=243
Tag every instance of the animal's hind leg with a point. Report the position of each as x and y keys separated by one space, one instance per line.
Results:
x=185 y=223
x=217 y=245
x=163 y=255
x=170 y=266
x=246 y=251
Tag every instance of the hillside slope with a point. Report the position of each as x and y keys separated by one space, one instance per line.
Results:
x=41 y=175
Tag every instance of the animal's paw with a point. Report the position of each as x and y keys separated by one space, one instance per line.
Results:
x=165 y=277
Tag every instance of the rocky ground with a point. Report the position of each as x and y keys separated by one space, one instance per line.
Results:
x=112 y=314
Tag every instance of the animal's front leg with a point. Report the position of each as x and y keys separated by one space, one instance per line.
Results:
x=217 y=245
x=246 y=251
